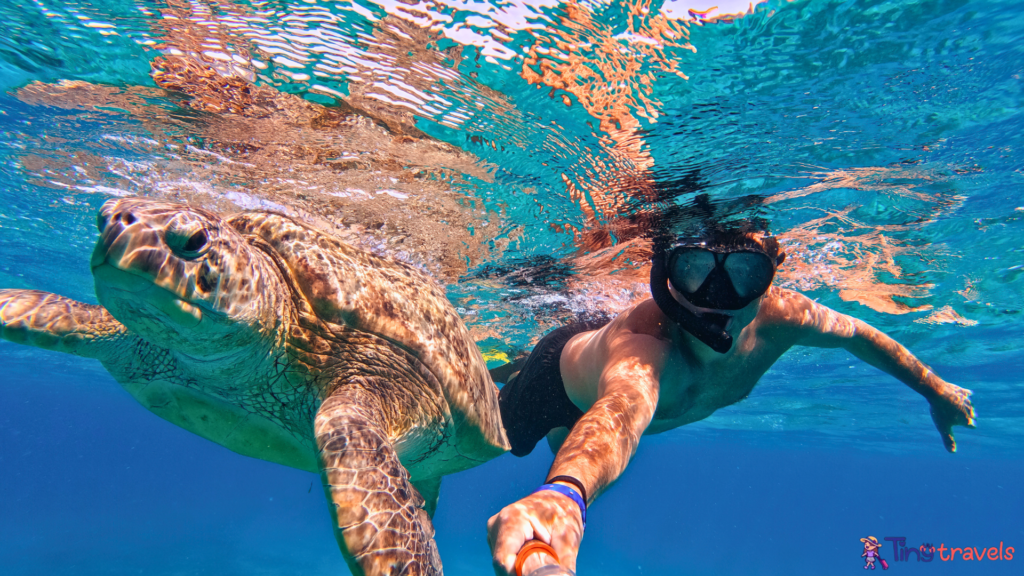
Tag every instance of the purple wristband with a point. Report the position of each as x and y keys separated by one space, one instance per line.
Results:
x=571 y=493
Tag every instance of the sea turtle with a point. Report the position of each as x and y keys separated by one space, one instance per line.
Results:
x=280 y=342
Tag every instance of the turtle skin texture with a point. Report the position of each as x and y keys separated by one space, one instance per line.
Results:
x=280 y=342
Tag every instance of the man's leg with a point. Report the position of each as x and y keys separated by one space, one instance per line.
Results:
x=556 y=437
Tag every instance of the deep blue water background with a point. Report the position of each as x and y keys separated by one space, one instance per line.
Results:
x=94 y=484
x=921 y=105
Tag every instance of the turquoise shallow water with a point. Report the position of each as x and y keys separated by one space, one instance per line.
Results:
x=881 y=140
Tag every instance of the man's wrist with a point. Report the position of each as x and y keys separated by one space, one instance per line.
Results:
x=571 y=493
x=571 y=482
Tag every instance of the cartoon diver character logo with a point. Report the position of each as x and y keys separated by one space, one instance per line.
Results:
x=870 y=554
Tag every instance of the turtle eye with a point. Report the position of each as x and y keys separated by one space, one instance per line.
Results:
x=188 y=247
x=195 y=242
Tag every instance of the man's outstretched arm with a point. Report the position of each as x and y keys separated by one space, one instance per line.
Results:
x=596 y=452
x=822 y=327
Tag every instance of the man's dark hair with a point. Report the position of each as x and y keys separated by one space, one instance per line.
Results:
x=724 y=223
x=746 y=234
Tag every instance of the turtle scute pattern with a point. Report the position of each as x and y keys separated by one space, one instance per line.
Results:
x=390 y=299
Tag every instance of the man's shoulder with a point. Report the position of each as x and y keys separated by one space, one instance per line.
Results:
x=788 y=309
x=783 y=302
x=783 y=308
x=631 y=340
x=644 y=318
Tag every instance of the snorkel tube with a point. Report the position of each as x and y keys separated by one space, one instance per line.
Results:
x=716 y=338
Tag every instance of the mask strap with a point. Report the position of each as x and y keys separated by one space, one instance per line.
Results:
x=717 y=339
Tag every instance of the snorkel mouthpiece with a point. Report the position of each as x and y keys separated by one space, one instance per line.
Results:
x=714 y=336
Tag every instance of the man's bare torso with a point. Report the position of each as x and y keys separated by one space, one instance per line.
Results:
x=693 y=381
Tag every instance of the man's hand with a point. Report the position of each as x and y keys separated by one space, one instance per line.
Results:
x=547 y=516
x=951 y=406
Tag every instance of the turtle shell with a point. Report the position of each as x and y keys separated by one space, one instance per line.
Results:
x=382 y=296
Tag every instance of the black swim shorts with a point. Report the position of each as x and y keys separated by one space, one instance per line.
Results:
x=534 y=402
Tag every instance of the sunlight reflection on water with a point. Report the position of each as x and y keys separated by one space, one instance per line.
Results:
x=525 y=152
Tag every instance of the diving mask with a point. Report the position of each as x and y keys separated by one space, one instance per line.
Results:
x=720 y=277
x=717 y=277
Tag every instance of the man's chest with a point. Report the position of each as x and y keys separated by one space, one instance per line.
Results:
x=689 y=391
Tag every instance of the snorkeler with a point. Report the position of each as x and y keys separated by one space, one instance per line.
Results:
x=714 y=326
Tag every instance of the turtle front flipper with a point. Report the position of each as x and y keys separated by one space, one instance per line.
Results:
x=378 y=515
x=57 y=323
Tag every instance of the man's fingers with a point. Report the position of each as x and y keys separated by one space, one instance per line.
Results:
x=969 y=415
x=945 y=427
x=500 y=548
x=947 y=438
x=499 y=568
x=492 y=531
x=567 y=551
x=505 y=559
x=506 y=546
x=539 y=532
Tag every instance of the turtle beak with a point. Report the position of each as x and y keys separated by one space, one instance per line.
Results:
x=110 y=224
x=137 y=246
x=131 y=258
x=116 y=218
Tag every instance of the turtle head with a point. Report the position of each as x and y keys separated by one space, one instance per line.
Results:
x=182 y=278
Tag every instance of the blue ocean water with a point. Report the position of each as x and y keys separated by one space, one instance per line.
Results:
x=514 y=150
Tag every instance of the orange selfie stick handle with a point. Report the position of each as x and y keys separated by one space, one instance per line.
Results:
x=532 y=547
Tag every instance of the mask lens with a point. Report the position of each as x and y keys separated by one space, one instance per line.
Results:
x=689 y=268
x=750 y=272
